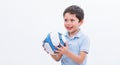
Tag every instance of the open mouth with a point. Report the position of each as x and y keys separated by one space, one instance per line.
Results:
x=69 y=28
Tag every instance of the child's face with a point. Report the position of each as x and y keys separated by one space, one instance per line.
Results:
x=71 y=22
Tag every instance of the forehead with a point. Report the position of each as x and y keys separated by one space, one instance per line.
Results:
x=69 y=15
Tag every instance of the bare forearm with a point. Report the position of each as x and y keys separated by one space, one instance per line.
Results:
x=76 y=58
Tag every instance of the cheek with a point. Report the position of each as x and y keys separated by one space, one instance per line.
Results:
x=65 y=23
x=76 y=25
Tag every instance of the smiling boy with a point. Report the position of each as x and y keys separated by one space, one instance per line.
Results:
x=77 y=46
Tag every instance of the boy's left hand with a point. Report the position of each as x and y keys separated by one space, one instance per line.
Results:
x=62 y=49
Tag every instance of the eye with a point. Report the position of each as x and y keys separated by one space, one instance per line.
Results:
x=72 y=20
x=65 y=20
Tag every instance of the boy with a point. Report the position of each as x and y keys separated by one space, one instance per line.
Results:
x=76 y=49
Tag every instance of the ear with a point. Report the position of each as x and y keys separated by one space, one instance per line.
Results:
x=80 y=22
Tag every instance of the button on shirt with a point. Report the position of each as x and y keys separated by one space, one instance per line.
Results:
x=77 y=43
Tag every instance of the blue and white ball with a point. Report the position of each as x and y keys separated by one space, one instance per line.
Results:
x=53 y=39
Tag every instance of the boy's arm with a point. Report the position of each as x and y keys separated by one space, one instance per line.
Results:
x=77 y=58
x=56 y=57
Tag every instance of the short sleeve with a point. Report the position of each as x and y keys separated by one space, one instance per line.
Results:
x=85 y=45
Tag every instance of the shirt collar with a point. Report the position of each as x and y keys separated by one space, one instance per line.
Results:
x=78 y=35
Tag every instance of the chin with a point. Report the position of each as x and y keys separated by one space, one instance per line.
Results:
x=70 y=31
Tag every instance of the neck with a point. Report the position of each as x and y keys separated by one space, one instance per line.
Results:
x=73 y=33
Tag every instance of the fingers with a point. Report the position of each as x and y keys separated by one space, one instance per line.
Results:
x=66 y=44
x=61 y=49
x=57 y=47
x=61 y=45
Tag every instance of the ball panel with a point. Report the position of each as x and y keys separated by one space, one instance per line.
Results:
x=63 y=38
x=54 y=36
x=53 y=39
x=49 y=41
x=48 y=48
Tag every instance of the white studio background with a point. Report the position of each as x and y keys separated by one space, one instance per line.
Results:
x=24 y=24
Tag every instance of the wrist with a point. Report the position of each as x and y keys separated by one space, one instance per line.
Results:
x=67 y=52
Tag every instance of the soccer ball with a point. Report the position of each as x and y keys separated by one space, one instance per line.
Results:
x=53 y=39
